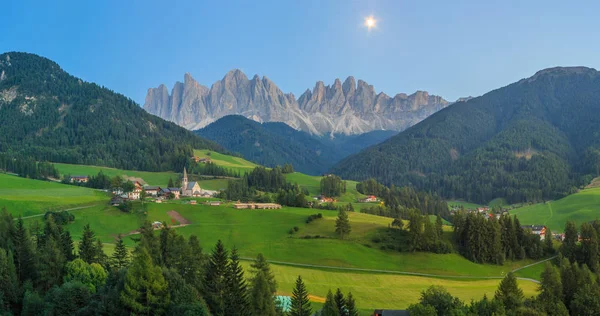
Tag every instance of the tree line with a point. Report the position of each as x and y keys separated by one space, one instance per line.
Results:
x=27 y=167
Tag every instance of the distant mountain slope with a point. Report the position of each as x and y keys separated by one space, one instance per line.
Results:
x=50 y=115
x=535 y=139
x=345 y=145
x=272 y=144
x=346 y=108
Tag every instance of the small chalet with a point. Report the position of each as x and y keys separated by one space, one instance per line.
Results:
x=370 y=198
x=79 y=179
x=536 y=229
x=152 y=190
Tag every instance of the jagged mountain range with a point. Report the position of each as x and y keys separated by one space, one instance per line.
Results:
x=346 y=108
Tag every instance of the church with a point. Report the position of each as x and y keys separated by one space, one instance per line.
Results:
x=189 y=188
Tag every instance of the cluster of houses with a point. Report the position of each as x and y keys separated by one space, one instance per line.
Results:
x=368 y=199
x=324 y=199
x=257 y=206
x=79 y=179
x=201 y=159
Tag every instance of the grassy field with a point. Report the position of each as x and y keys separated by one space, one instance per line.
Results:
x=230 y=162
x=581 y=207
x=27 y=197
x=378 y=290
x=151 y=178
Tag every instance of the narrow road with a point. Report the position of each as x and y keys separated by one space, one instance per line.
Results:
x=303 y=265
x=68 y=209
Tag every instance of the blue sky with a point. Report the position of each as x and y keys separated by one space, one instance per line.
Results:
x=450 y=48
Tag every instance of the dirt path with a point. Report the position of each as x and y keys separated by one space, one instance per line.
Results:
x=176 y=216
x=65 y=210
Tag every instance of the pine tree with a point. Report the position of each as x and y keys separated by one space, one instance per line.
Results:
x=67 y=245
x=236 y=299
x=340 y=302
x=9 y=285
x=170 y=184
x=7 y=230
x=24 y=253
x=548 y=246
x=149 y=241
x=101 y=258
x=329 y=308
x=215 y=281
x=261 y=265
x=300 y=304
x=145 y=290
x=120 y=258
x=589 y=246
x=569 y=246
x=342 y=224
x=551 y=294
x=194 y=263
x=351 y=309
x=509 y=292
x=51 y=264
x=261 y=298
x=87 y=248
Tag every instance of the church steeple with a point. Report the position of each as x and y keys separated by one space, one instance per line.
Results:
x=184 y=181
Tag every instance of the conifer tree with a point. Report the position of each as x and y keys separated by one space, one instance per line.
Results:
x=509 y=292
x=551 y=291
x=261 y=265
x=101 y=258
x=24 y=253
x=589 y=246
x=342 y=224
x=351 y=309
x=340 y=302
x=194 y=263
x=215 y=281
x=439 y=225
x=261 y=298
x=9 y=284
x=569 y=246
x=7 y=230
x=300 y=304
x=120 y=258
x=87 y=247
x=236 y=299
x=67 y=245
x=149 y=240
x=548 y=245
x=145 y=290
x=51 y=264
x=170 y=184
x=329 y=308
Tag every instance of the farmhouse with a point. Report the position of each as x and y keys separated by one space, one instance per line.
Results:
x=536 y=229
x=370 y=198
x=324 y=199
x=152 y=190
x=213 y=203
x=259 y=206
x=79 y=179
x=201 y=160
x=167 y=191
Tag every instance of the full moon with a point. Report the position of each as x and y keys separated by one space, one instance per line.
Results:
x=370 y=22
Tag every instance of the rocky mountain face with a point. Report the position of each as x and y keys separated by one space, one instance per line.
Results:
x=342 y=108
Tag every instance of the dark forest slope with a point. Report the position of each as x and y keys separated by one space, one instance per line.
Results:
x=47 y=114
x=532 y=140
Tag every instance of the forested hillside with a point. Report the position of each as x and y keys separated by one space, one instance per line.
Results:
x=533 y=140
x=47 y=114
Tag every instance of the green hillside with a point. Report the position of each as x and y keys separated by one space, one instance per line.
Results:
x=28 y=197
x=533 y=140
x=580 y=207
x=230 y=162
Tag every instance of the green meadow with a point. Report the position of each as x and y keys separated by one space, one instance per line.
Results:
x=230 y=162
x=27 y=197
x=580 y=207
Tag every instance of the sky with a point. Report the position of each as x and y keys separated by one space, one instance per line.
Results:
x=449 y=48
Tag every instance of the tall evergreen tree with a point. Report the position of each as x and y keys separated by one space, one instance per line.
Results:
x=194 y=263
x=340 y=302
x=589 y=246
x=551 y=297
x=51 y=264
x=351 y=309
x=9 y=284
x=439 y=225
x=24 y=253
x=569 y=246
x=215 y=281
x=120 y=258
x=585 y=300
x=300 y=304
x=236 y=299
x=170 y=184
x=67 y=245
x=145 y=290
x=342 y=224
x=261 y=298
x=548 y=245
x=87 y=246
x=261 y=265
x=7 y=230
x=329 y=308
x=509 y=293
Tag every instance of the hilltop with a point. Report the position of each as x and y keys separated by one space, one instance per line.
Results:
x=532 y=140
x=50 y=115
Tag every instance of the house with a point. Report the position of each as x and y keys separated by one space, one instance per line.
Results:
x=213 y=203
x=189 y=188
x=390 y=312
x=79 y=179
x=116 y=200
x=193 y=202
x=259 y=206
x=166 y=191
x=539 y=230
x=133 y=195
x=152 y=190
x=324 y=199
x=370 y=198
x=157 y=225
x=201 y=160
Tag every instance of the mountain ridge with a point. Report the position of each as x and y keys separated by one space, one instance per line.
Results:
x=351 y=107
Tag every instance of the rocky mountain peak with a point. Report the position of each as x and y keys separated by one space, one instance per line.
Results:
x=350 y=107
